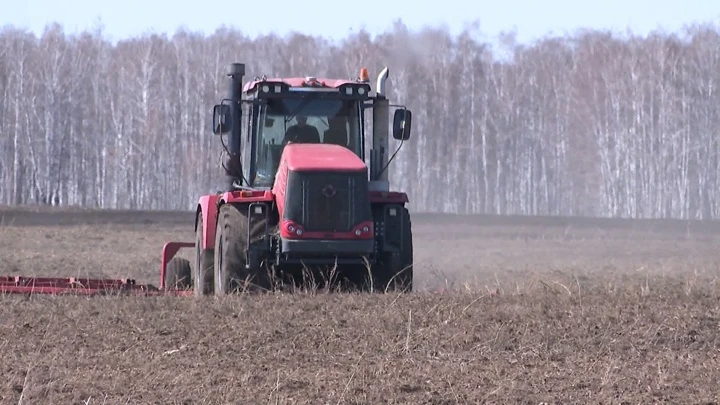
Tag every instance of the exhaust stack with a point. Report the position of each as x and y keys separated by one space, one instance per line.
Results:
x=379 y=153
x=235 y=72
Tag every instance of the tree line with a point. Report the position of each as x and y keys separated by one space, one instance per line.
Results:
x=593 y=124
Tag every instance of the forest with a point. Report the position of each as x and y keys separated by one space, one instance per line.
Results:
x=590 y=124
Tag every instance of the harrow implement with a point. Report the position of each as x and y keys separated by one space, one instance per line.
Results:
x=170 y=269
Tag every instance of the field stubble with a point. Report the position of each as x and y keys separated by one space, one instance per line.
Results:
x=553 y=311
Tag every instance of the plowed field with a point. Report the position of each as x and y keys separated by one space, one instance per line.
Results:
x=534 y=310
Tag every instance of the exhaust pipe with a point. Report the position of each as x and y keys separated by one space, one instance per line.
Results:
x=235 y=72
x=380 y=85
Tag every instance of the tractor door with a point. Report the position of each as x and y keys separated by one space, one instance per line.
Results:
x=246 y=137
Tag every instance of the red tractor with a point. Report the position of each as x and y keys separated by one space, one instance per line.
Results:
x=299 y=195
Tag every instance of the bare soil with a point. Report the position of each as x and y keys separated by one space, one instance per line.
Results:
x=553 y=310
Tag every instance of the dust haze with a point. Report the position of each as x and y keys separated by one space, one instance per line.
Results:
x=507 y=310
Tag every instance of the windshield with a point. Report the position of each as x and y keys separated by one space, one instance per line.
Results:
x=303 y=120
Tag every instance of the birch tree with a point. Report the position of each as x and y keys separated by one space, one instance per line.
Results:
x=585 y=124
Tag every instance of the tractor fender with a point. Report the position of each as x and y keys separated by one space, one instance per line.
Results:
x=208 y=207
x=209 y=204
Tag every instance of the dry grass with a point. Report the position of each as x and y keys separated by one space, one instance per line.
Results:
x=554 y=314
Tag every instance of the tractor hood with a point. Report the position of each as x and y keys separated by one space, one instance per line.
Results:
x=322 y=188
x=303 y=157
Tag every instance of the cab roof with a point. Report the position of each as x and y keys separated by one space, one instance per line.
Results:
x=309 y=82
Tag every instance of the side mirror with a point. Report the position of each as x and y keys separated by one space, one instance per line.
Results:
x=402 y=123
x=221 y=119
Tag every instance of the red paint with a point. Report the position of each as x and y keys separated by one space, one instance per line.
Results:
x=388 y=197
x=169 y=251
x=280 y=184
x=298 y=82
x=247 y=196
x=78 y=286
x=285 y=232
x=90 y=286
x=207 y=206
x=321 y=156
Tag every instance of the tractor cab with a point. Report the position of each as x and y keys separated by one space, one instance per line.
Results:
x=292 y=116
x=281 y=111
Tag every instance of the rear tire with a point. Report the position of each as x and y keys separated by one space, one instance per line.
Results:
x=203 y=274
x=394 y=272
x=231 y=245
x=178 y=274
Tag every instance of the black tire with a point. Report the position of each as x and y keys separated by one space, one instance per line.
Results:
x=395 y=272
x=231 y=244
x=178 y=274
x=203 y=274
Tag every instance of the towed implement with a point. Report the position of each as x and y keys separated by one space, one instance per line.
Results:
x=173 y=271
x=299 y=202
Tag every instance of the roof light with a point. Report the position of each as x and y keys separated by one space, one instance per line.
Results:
x=364 y=77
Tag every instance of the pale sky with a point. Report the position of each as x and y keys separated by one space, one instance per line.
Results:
x=335 y=19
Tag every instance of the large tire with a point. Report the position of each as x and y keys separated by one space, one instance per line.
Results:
x=403 y=271
x=231 y=244
x=178 y=274
x=203 y=274
x=395 y=272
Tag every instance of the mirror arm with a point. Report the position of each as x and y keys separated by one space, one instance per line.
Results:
x=391 y=158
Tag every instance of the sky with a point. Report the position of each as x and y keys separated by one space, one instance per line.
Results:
x=335 y=20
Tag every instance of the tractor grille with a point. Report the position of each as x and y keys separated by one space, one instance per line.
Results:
x=327 y=202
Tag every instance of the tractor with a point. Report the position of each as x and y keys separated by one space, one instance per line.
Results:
x=299 y=195
x=299 y=199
